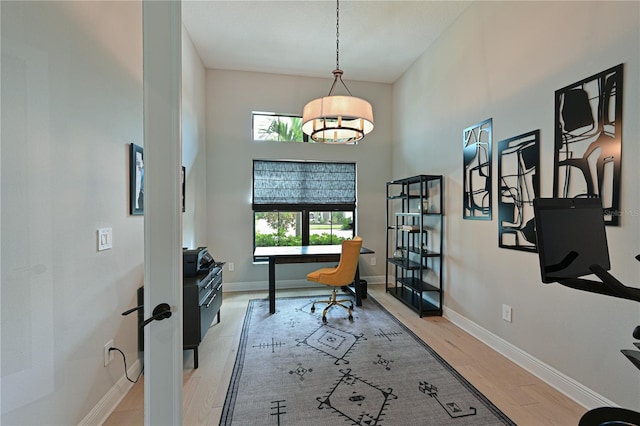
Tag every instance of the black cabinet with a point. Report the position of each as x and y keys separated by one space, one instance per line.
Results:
x=202 y=299
x=414 y=242
x=201 y=303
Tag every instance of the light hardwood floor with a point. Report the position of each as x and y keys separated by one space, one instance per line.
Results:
x=521 y=396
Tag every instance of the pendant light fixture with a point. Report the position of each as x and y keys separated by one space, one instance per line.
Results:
x=337 y=119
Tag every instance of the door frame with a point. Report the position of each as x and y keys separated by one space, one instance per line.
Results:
x=162 y=74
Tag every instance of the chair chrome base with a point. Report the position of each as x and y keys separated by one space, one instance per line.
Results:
x=333 y=302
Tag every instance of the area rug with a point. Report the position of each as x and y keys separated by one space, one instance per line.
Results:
x=291 y=369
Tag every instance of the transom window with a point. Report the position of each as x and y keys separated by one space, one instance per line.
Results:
x=269 y=126
x=303 y=202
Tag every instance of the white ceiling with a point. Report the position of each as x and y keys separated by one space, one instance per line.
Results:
x=379 y=40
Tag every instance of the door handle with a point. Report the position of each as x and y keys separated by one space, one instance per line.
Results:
x=160 y=312
x=137 y=308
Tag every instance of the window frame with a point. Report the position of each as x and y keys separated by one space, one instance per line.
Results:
x=306 y=222
x=305 y=209
x=305 y=137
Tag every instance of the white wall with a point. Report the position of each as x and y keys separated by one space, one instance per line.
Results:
x=505 y=60
x=231 y=97
x=71 y=104
x=194 y=143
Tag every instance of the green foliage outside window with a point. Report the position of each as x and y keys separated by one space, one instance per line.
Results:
x=273 y=240
x=281 y=221
x=281 y=128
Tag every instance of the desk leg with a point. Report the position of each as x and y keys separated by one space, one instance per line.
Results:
x=356 y=286
x=272 y=285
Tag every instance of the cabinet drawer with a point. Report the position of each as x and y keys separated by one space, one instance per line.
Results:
x=209 y=309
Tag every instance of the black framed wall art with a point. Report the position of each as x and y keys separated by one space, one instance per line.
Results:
x=518 y=186
x=136 y=180
x=477 y=171
x=184 y=183
x=588 y=140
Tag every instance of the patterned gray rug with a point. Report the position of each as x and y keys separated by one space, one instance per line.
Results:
x=291 y=369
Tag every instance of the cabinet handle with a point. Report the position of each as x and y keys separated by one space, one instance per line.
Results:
x=212 y=299
x=219 y=287
x=208 y=284
x=204 y=299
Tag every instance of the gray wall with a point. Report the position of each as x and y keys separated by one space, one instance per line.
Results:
x=72 y=102
x=194 y=145
x=505 y=60
x=231 y=97
x=71 y=105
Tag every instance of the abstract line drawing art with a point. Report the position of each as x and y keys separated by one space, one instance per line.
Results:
x=518 y=185
x=477 y=171
x=588 y=140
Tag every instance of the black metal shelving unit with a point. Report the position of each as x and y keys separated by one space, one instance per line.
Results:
x=415 y=235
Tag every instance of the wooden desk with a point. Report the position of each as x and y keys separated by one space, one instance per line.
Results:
x=304 y=254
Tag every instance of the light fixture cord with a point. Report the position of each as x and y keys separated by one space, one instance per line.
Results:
x=337 y=34
x=337 y=73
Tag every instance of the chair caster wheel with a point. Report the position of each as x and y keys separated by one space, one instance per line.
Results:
x=324 y=320
x=350 y=317
x=313 y=309
x=351 y=307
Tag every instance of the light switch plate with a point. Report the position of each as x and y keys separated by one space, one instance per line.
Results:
x=506 y=313
x=105 y=239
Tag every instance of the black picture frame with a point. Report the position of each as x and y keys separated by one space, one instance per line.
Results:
x=184 y=193
x=588 y=141
x=518 y=186
x=136 y=180
x=476 y=148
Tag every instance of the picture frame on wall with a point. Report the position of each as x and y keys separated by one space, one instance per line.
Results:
x=184 y=194
x=588 y=141
x=136 y=180
x=518 y=186
x=477 y=180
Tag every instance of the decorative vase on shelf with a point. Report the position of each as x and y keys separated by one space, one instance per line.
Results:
x=398 y=253
x=425 y=205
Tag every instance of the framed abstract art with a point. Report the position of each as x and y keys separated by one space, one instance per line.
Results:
x=477 y=171
x=136 y=180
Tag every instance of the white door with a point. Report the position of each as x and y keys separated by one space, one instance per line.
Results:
x=162 y=30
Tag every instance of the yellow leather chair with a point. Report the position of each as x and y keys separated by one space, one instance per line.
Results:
x=339 y=276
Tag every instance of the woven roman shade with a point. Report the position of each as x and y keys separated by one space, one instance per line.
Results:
x=300 y=184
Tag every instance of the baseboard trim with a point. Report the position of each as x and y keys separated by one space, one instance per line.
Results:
x=103 y=409
x=561 y=382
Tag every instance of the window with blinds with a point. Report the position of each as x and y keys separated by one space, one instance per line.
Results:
x=303 y=202
x=277 y=184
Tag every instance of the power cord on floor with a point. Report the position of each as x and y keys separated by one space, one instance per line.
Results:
x=124 y=359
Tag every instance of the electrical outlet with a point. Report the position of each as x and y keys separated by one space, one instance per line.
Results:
x=506 y=313
x=373 y=261
x=107 y=354
x=231 y=266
